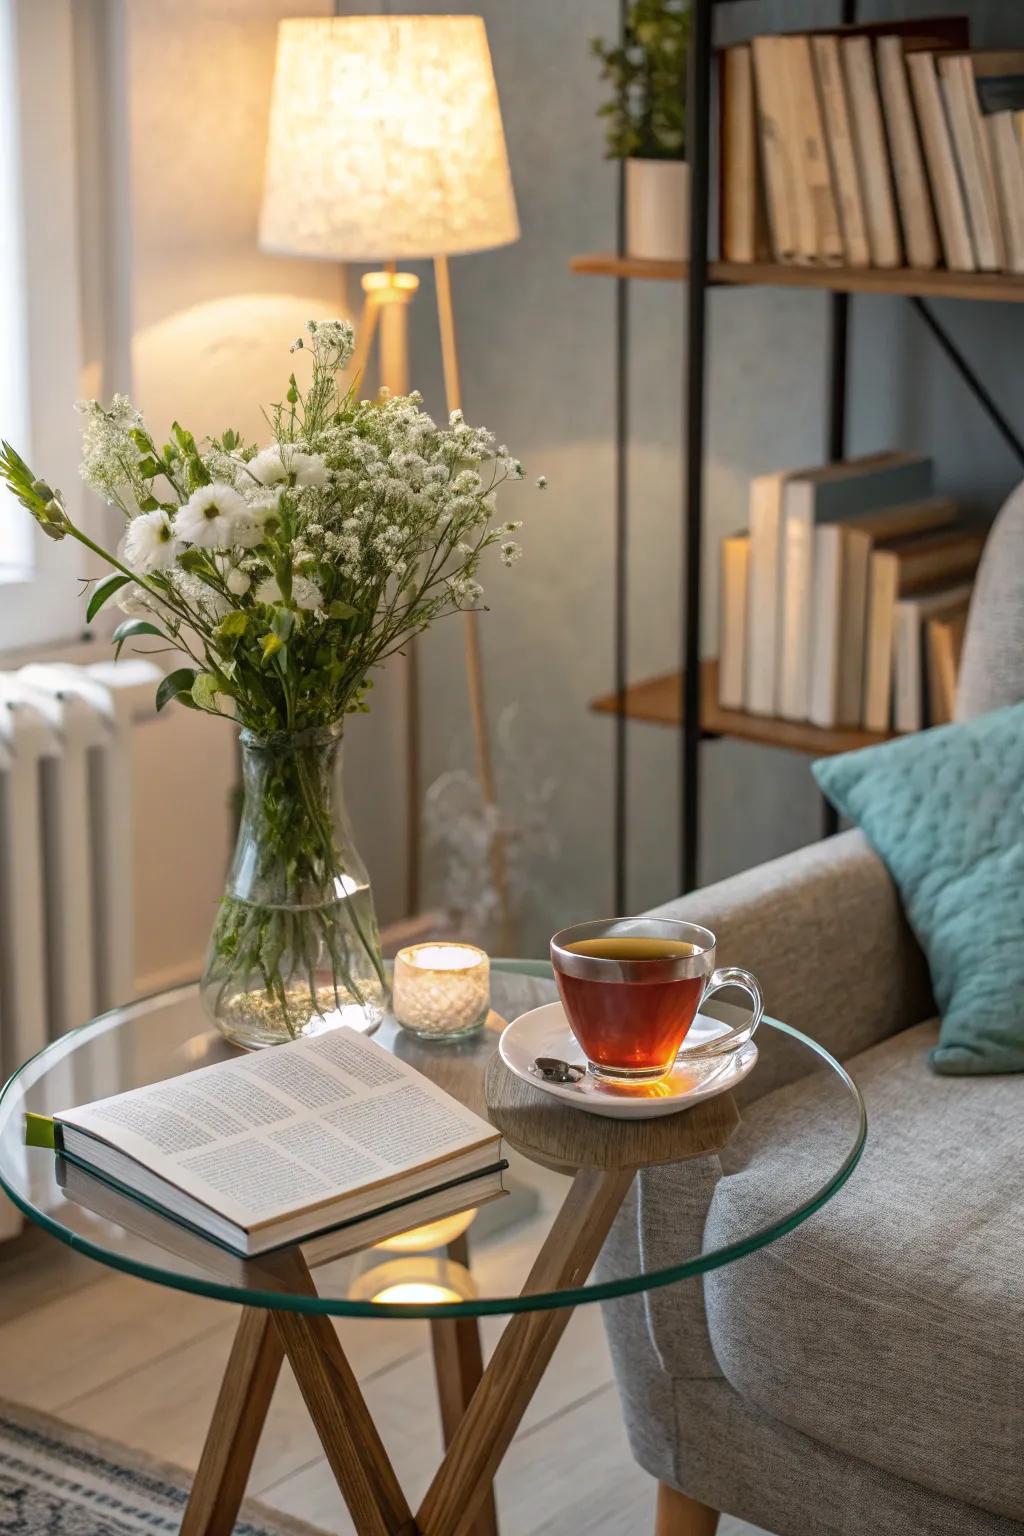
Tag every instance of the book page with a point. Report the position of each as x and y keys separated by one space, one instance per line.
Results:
x=274 y=1133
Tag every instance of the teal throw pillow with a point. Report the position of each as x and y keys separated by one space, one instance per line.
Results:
x=944 y=810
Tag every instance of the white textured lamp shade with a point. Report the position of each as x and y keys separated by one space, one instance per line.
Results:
x=385 y=141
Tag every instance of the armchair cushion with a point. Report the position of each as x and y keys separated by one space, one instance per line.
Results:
x=945 y=810
x=890 y=1325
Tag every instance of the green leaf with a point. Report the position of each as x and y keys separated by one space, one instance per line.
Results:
x=128 y=628
x=282 y=623
x=271 y=644
x=340 y=610
x=104 y=590
x=232 y=624
x=204 y=690
x=177 y=685
x=186 y=442
x=193 y=560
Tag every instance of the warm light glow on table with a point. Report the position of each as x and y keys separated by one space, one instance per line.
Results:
x=415 y=1281
x=434 y=1234
x=385 y=140
x=441 y=989
x=414 y=1292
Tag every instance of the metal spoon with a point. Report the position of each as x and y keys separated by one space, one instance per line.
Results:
x=552 y=1070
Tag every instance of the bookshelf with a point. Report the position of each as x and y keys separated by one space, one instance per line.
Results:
x=1000 y=287
x=687 y=698
x=656 y=702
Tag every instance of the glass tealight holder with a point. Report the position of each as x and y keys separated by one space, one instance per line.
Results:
x=441 y=990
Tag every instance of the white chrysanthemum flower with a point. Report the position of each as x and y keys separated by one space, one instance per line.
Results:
x=267 y=467
x=207 y=518
x=305 y=593
x=150 y=543
x=249 y=528
x=511 y=552
x=237 y=582
x=284 y=465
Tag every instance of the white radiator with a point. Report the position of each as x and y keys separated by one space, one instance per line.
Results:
x=66 y=875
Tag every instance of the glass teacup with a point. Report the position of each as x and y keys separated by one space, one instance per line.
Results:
x=631 y=988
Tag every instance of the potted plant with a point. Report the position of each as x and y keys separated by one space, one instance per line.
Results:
x=647 y=125
x=285 y=574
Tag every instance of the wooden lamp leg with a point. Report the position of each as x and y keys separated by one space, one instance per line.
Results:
x=471 y=620
x=679 y=1515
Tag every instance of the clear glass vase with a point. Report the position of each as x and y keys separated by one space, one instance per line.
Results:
x=295 y=949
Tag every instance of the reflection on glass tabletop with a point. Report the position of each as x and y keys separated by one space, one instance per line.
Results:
x=471 y=1264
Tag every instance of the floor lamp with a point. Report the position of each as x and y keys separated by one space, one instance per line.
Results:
x=386 y=143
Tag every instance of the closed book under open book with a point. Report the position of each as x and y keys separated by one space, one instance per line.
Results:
x=283 y=1145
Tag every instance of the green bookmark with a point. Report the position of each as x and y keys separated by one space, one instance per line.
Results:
x=39 y=1131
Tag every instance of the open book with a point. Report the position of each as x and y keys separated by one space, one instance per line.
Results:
x=285 y=1144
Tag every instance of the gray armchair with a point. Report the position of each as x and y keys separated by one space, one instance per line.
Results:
x=864 y=1375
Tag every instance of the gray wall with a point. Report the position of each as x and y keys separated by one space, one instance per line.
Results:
x=538 y=359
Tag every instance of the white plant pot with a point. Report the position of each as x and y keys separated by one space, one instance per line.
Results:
x=658 y=209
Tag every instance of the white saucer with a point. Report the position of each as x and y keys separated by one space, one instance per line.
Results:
x=545 y=1032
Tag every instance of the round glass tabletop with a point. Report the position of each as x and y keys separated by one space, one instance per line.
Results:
x=796 y=1145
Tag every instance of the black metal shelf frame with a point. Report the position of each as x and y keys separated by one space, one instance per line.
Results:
x=694 y=382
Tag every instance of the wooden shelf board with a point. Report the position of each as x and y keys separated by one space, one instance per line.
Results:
x=1001 y=287
x=657 y=701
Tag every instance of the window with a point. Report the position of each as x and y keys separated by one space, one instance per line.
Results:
x=39 y=310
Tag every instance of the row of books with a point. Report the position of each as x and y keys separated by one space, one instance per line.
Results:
x=827 y=598
x=885 y=145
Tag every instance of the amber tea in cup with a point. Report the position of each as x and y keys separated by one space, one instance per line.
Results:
x=631 y=988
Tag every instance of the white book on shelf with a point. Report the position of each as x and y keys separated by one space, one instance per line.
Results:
x=831 y=493
x=909 y=642
x=763 y=589
x=773 y=117
x=872 y=151
x=912 y=193
x=1008 y=166
x=943 y=171
x=826 y=610
x=733 y=606
x=835 y=111
x=974 y=159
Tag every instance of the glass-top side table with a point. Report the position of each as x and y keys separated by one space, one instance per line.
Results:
x=533 y=1250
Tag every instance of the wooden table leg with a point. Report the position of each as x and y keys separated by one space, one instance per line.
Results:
x=458 y=1367
x=354 y=1449
x=521 y=1357
x=242 y=1403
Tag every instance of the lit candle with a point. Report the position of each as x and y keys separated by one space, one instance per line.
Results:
x=441 y=990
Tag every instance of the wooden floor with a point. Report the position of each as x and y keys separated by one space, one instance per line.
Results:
x=140 y=1365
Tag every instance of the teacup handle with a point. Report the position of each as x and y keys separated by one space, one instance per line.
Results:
x=732 y=976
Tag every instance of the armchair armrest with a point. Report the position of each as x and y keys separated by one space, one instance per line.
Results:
x=824 y=932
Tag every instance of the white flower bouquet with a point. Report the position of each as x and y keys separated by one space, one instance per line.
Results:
x=284 y=575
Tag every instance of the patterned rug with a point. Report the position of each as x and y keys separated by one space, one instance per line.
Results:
x=57 y=1481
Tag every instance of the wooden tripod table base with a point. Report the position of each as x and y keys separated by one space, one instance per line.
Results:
x=481 y=1409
